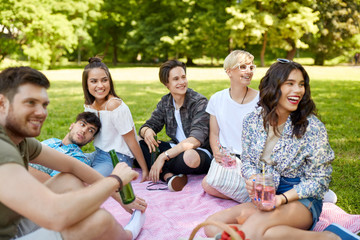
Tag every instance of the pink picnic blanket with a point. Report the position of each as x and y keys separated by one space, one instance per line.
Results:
x=173 y=215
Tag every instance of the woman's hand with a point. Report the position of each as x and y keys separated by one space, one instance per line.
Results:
x=150 y=140
x=137 y=204
x=250 y=186
x=144 y=175
x=218 y=157
x=156 y=168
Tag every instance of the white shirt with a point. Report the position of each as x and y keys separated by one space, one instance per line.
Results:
x=114 y=124
x=229 y=116
x=180 y=135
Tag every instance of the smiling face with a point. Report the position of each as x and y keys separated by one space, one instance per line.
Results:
x=27 y=112
x=178 y=83
x=242 y=73
x=98 y=83
x=292 y=91
x=81 y=133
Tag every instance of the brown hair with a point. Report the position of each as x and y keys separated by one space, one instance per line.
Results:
x=166 y=67
x=95 y=62
x=270 y=94
x=11 y=78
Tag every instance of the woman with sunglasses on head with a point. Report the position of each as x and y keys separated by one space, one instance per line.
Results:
x=227 y=109
x=182 y=112
x=286 y=139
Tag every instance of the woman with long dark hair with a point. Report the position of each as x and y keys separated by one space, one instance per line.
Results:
x=284 y=138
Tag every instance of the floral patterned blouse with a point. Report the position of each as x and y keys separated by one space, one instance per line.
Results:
x=308 y=157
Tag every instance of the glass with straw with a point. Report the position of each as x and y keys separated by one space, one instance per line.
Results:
x=265 y=190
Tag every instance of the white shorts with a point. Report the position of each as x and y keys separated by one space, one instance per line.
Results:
x=28 y=230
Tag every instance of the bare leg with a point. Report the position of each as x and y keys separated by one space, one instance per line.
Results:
x=64 y=182
x=233 y=215
x=191 y=158
x=289 y=221
x=39 y=175
x=100 y=225
x=282 y=232
x=212 y=191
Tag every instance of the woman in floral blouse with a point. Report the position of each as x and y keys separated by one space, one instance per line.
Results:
x=284 y=137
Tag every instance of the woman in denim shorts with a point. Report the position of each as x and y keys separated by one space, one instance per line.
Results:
x=284 y=138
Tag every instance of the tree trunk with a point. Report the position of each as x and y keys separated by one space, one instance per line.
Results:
x=263 y=49
x=190 y=62
x=291 y=54
x=319 y=59
x=114 y=59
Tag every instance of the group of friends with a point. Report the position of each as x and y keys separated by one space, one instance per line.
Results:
x=53 y=190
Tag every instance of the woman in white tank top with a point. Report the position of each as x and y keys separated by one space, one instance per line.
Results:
x=118 y=129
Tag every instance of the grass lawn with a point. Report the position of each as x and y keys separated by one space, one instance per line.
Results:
x=335 y=90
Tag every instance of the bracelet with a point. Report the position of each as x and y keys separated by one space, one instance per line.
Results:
x=119 y=180
x=167 y=155
x=286 y=199
x=145 y=131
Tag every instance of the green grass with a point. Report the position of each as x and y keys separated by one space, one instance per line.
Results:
x=335 y=91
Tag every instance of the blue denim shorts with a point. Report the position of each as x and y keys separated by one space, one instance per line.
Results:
x=314 y=205
x=101 y=161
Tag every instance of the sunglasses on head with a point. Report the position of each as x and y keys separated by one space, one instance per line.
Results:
x=244 y=67
x=283 y=60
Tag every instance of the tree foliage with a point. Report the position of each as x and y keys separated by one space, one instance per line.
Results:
x=45 y=31
x=339 y=23
x=272 y=23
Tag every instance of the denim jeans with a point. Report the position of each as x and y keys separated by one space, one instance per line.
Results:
x=101 y=161
x=312 y=204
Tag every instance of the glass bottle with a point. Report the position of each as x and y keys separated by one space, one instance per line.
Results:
x=155 y=154
x=127 y=193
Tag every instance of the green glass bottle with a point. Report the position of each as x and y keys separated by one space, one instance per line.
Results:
x=155 y=154
x=127 y=193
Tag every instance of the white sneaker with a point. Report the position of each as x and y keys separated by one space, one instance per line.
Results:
x=330 y=197
x=177 y=182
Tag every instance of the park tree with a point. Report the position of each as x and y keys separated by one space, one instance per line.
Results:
x=112 y=32
x=160 y=29
x=208 y=35
x=42 y=30
x=339 y=23
x=272 y=23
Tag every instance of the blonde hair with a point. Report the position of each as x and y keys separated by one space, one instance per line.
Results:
x=237 y=56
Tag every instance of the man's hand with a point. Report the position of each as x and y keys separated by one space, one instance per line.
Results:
x=156 y=168
x=137 y=204
x=126 y=173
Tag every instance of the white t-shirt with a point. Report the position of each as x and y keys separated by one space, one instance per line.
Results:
x=114 y=124
x=230 y=115
x=180 y=135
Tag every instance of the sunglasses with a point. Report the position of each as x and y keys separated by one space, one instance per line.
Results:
x=283 y=60
x=244 y=67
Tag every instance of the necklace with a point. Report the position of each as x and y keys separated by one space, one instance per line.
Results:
x=244 y=95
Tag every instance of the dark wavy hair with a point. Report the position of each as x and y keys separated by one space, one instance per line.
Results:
x=270 y=94
x=95 y=62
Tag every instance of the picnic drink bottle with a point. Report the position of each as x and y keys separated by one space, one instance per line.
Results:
x=155 y=154
x=127 y=193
